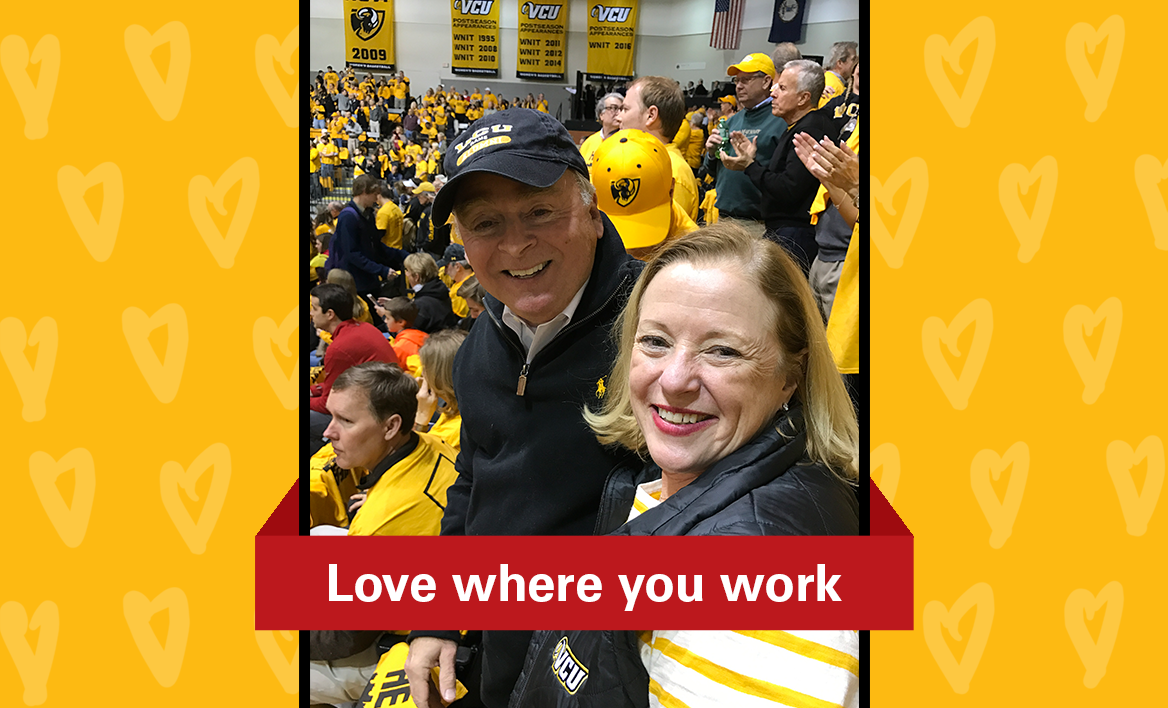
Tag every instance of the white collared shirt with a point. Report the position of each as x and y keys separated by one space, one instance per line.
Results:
x=536 y=338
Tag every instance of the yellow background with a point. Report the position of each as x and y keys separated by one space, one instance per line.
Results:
x=99 y=400
x=1070 y=532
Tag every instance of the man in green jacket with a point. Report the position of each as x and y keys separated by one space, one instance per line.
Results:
x=738 y=198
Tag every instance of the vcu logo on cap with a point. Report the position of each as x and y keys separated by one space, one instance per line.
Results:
x=610 y=14
x=625 y=190
x=366 y=22
x=474 y=7
x=540 y=12
x=567 y=668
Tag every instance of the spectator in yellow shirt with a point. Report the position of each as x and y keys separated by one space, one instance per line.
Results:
x=541 y=105
x=389 y=218
x=476 y=96
x=840 y=62
x=490 y=102
x=457 y=270
x=331 y=80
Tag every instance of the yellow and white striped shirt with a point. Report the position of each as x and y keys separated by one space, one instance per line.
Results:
x=765 y=668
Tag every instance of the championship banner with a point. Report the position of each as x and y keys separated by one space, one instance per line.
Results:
x=369 y=34
x=474 y=27
x=576 y=582
x=611 y=30
x=543 y=34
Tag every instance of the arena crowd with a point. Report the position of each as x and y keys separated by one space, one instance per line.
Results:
x=654 y=332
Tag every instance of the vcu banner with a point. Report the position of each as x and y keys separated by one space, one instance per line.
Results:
x=369 y=34
x=474 y=27
x=611 y=27
x=543 y=33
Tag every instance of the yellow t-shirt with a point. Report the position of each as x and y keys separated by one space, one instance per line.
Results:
x=708 y=207
x=457 y=303
x=450 y=430
x=313 y=160
x=836 y=86
x=459 y=105
x=685 y=186
x=476 y=96
x=474 y=113
x=328 y=497
x=681 y=138
x=697 y=143
x=542 y=106
x=410 y=497
x=389 y=220
x=399 y=90
x=490 y=101
x=589 y=146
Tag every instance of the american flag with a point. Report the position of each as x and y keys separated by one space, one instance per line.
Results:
x=727 y=24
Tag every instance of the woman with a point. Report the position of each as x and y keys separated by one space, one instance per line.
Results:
x=437 y=383
x=725 y=382
x=430 y=295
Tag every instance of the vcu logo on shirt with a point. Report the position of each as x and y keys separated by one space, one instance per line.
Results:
x=625 y=190
x=540 y=12
x=567 y=668
x=610 y=14
x=366 y=22
x=474 y=7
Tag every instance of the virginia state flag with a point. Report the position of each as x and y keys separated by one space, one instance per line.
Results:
x=787 y=24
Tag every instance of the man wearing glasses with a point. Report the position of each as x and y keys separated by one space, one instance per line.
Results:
x=738 y=198
x=607 y=109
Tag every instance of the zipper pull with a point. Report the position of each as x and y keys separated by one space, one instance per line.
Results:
x=522 y=380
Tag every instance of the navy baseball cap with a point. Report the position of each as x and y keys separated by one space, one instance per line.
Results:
x=454 y=252
x=523 y=144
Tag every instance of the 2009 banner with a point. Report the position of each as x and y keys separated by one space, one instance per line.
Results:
x=543 y=34
x=612 y=26
x=474 y=28
x=369 y=34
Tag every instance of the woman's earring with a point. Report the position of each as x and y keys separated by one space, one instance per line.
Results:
x=785 y=407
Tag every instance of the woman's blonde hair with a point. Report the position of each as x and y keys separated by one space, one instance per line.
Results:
x=830 y=420
x=437 y=356
x=422 y=266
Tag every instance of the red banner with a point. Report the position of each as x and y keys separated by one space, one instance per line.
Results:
x=581 y=582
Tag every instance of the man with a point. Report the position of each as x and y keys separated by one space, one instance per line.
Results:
x=788 y=188
x=541 y=105
x=352 y=343
x=727 y=106
x=607 y=112
x=738 y=197
x=700 y=89
x=840 y=62
x=373 y=407
x=354 y=247
x=389 y=218
x=458 y=271
x=353 y=130
x=785 y=52
x=331 y=80
x=558 y=277
x=655 y=105
x=490 y=102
